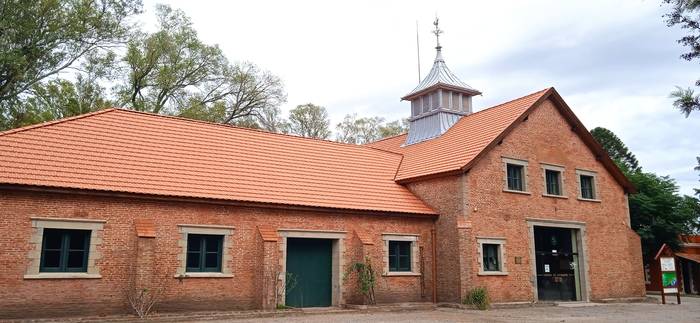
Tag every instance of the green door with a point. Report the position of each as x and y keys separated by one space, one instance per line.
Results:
x=308 y=272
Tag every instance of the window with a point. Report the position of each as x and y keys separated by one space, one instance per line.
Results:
x=515 y=177
x=492 y=256
x=400 y=255
x=553 y=181
x=204 y=252
x=65 y=250
x=587 y=187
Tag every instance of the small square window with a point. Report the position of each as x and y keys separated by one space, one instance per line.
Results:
x=65 y=250
x=587 y=187
x=400 y=256
x=204 y=252
x=491 y=254
x=553 y=182
x=515 y=175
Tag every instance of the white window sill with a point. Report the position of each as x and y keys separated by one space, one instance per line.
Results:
x=589 y=200
x=401 y=273
x=492 y=273
x=555 y=196
x=203 y=275
x=63 y=276
x=517 y=192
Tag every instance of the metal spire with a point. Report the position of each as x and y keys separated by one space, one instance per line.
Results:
x=437 y=33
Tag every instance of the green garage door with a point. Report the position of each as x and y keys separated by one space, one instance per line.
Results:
x=309 y=272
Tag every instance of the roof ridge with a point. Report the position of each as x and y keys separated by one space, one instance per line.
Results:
x=57 y=121
x=261 y=131
x=513 y=100
x=385 y=138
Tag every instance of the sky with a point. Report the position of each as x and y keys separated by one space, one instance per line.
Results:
x=613 y=62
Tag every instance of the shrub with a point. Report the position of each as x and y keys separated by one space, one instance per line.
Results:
x=477 y=297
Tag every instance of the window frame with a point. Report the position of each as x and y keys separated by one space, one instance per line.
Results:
x=413 y=253
x=524 y=175
x=502 y=263
x=64 y=251
x=226 y=243
x=562 y=180
x=35 y=270
x=594 y=185
x=202 y=253
x=407 y=247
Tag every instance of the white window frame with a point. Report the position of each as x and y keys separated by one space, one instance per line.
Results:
x=501 y=242
x=413 y=238
x=520 y=162
x=562 y=179
x=596 y=196
x=37 y=241
x=225 y=231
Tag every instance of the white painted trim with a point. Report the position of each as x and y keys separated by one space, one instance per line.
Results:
x=207 y=229
x=63 y=276
x=415 y=250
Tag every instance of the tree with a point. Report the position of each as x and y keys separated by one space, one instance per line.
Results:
x=355 y=130
x=617 y=150
x=697 y=168
x=657 y=212
x=41 y=38
x=393 y=128
x=685 y=14
x=309 y=120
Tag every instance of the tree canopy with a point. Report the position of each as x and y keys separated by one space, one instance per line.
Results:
x=658 y=212
x=686 y=14
x=354 y=130
x=309 y=120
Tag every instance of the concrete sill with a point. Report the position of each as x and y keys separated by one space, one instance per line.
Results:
x=589 y=200
x=492 y=273
x=399 y=273
x=555 y=196
x=203 y=275
x=63 y=276
x=517 y=192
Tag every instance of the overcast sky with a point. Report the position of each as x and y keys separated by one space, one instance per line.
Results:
x=614 y=62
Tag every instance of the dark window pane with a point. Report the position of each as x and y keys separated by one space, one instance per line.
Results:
x=515 y=177
x=192 y=260
x=52 y=239
x=211 y=260
x=194 y=242
x=491 y=257
x=399 y=255
x=552 y=179
x=587 y=187
x=213 y=243
x=51 y=259
x=78 y=239
x=76 y=259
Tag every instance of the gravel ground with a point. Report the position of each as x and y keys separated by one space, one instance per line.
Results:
x=688 y=311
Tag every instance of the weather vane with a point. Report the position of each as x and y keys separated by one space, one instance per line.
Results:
x=437 y=32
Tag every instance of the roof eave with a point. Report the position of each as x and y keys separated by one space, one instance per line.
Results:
x=413 y=95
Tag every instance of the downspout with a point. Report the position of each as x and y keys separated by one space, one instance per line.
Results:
x=434 y=261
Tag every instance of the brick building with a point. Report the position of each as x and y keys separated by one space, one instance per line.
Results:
x=517 y=198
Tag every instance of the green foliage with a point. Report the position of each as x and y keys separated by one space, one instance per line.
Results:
x=478 y=297
x=366 y=279
x=354 y=130
x=40 y=38
x=393 y=128
x=685 y=13
x=617 y=150
x=309 y=120
x=658 y=213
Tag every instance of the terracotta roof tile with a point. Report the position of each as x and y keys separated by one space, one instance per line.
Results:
x=127 y=151
x=364 y=238
x=267 y=233
x=145 y=228
x=471 y=134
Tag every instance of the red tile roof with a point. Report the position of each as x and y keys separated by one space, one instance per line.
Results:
x=126 y=151
x=145 y=228
x=460 y=144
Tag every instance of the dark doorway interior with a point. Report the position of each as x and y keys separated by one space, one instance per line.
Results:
x=309 y=272
x=557 y=262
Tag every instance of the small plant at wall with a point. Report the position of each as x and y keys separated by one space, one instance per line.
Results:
x=366 y=279
x=478 y=298
x=142 y=300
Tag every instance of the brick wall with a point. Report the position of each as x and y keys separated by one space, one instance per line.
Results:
x=48 y=297
x=614 y=250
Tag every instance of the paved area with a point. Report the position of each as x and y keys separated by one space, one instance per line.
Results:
x=688 y=311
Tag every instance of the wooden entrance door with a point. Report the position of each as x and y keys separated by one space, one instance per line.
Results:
x=309 y=272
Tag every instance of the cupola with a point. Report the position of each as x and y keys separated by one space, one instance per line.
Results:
x=439 y=100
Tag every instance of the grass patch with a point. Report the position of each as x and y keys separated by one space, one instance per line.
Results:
x=477 y=297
